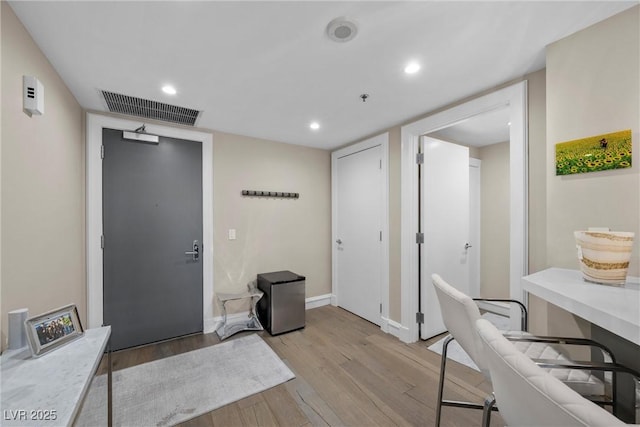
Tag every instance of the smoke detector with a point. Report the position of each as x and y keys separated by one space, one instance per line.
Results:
x=341 y=30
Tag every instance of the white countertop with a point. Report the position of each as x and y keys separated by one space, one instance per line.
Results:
x=51 y=386
x=614 y=308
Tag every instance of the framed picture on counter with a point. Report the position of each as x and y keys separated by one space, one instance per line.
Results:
x=52 y=329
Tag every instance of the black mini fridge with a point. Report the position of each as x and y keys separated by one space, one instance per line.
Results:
x=281 y=308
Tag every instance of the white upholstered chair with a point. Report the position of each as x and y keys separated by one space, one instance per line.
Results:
x=527 y=394
x=460 y=313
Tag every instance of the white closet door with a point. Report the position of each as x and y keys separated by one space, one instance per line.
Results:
x=359 y=246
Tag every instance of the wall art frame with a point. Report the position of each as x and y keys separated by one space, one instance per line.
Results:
x=595 y=153
x=53 y=329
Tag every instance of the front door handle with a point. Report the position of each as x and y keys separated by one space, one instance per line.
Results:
x=195 y=253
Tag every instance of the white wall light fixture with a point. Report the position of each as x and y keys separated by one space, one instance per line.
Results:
x=32 y=96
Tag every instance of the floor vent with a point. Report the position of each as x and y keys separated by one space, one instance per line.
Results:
x=132 y=106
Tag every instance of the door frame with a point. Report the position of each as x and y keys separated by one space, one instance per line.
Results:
x=515 y=97
x=475 y=212
x=383 y=141
x=94 y=125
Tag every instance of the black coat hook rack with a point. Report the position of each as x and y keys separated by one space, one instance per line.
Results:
x=280 y=194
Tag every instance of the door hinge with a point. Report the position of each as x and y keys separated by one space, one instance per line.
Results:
x=420 y=158
x=381 y=236
x=102 y=151
x=420 y=318
x=102 y=241
x=419 y=238
x=380 y=308
x=380 y=163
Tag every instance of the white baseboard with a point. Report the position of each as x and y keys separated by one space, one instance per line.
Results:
x=384 y=325
x=211 y=324
x=317 y=301
x=388 y=326
x=396 y=329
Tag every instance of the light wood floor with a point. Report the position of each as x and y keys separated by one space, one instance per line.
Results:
x=348 y=373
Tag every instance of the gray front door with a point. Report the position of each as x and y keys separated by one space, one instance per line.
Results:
x=152 y=214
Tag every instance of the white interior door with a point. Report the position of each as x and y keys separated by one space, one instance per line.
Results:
x=358 y=243
x=445 y=224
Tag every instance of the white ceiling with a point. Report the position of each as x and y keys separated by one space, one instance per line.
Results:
x=267 y=69
x=478 y=131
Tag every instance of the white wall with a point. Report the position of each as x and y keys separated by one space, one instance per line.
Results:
x=272 y=234
x=43 y=264
x=593 y=87
x=43 y=204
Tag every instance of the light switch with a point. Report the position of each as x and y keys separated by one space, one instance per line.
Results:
x=232 y=234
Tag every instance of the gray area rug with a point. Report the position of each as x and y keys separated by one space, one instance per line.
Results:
x=175 y=389
x=455 y=352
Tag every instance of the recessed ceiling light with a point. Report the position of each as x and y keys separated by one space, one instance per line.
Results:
x=314 y=125
x=412 y=68
x=509 y=124
x=169 y=90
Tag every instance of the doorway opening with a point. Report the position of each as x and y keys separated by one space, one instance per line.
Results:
x=513 y=99
x=480 y=245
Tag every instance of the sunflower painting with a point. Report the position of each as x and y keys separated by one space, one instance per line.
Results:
x=596 y=153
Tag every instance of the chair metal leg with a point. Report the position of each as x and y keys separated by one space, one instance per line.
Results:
x=109 y=385
x=614 y=394
x=489 y=405
x=443 y=364
x=445 y=402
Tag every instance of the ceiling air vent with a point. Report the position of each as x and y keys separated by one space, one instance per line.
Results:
x=124 y=104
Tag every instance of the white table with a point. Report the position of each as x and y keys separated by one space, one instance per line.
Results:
x=613 y=311
x=614 y=308
x=48 y=390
